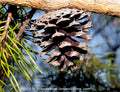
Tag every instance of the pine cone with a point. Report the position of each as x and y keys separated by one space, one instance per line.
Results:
x=62 y=30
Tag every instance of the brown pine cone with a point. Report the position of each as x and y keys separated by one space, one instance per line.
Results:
x=62 y=28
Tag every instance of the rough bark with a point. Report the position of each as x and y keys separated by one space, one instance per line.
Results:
x=108 y=7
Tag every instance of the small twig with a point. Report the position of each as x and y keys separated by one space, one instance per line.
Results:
x=6 y=25
x=3 y=78
x=25 y=24
x=1 y=72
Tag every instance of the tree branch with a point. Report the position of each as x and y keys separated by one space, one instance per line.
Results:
x=109 y=7
x=7 y=24
x=25 y=24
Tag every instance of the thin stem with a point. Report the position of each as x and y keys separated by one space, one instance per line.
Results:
x=25 y=24
x=6 y=26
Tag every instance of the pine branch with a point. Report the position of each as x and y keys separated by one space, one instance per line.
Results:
x=25 y=24
x=109 y=7
x=6 y=26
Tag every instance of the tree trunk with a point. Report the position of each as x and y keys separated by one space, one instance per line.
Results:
x=108 y=7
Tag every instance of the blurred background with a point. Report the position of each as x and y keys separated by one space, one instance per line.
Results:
x=105 y=46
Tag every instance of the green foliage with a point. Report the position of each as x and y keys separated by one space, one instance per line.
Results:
x=12 y=50
x=13 y=57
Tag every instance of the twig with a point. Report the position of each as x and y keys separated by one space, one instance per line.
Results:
x=3 y=78
x=6 y=26
x=25 y=24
